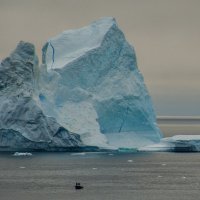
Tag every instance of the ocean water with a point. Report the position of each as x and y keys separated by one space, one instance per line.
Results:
x=105 y=176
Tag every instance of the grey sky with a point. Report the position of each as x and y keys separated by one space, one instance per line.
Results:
x=165 y=34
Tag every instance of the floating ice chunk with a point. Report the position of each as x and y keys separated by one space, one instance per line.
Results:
x=22 y=167
x=22 y=154
x=130 y=161
x=78 y=154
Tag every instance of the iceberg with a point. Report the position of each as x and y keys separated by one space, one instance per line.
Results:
x=91 y=84
x=88 y=91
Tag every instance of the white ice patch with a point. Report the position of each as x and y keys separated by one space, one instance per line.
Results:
x=76 y=43
x=22 y=154
x=78 y=154
x=22 y=167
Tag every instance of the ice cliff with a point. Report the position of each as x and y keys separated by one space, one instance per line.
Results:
x=88 y=85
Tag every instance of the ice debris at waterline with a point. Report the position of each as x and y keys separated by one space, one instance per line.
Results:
x=177 y=143
x=88 y=91
x=22 y=154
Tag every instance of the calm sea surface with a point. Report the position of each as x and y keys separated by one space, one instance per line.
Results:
x=105 y=176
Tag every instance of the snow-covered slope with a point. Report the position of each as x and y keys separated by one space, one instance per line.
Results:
x=23 y=124
x=91 y=84
x=78 y=42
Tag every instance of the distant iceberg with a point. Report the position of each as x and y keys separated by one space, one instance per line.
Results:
x=177 y=143
x=87 y=92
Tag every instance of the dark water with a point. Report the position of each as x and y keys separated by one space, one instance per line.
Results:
x=139 y=176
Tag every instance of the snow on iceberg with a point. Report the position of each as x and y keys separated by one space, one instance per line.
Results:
x=91 y=85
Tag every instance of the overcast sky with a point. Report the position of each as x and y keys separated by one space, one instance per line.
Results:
x=164 y=33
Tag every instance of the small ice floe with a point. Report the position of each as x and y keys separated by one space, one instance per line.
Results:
x=159 y=176
x=183 y=177
x=22 y=167
x=110 y=154
x=94 y=168
x=163 y=164
x=78 y=154
x=22 y=154
x=130 y=161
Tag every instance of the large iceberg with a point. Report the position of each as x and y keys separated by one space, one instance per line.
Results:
x=91 y=84
x=87 y=92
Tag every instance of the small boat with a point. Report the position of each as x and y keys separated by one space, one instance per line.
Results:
x=78 y=186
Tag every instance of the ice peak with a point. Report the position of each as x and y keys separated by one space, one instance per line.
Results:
x=24 y=51
x=105 y=21
x=71 y=44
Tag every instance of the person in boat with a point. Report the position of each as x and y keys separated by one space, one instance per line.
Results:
x=78 y=186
